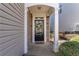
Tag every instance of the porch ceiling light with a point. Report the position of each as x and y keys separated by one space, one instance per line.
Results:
x=39 y=8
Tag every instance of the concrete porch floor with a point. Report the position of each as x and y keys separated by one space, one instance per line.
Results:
x=40 y=50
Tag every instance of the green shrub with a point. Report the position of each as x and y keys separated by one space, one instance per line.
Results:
x=69 y=49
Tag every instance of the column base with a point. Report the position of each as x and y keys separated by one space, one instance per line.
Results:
x=56 y=50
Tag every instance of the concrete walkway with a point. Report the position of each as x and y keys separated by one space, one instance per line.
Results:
x=40 y=50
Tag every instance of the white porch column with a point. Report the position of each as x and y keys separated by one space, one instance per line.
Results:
x=56 y=30
x=25 y=31
x=45 y=30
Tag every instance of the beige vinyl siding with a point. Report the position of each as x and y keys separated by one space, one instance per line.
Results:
x=11 y=29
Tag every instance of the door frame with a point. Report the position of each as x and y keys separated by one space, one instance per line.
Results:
x=33 y=30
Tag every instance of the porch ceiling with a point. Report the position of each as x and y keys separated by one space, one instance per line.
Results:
x=41 y=9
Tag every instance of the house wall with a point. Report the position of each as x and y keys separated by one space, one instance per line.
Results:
x=11 y=29
x=48 y=28
x=69 y=16
x=29 y=27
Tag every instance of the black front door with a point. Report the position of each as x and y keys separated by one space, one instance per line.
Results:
x=39 y=30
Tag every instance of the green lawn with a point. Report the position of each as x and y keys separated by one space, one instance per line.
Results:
x=51 y=34
x=70 y=48
x=75 y=38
